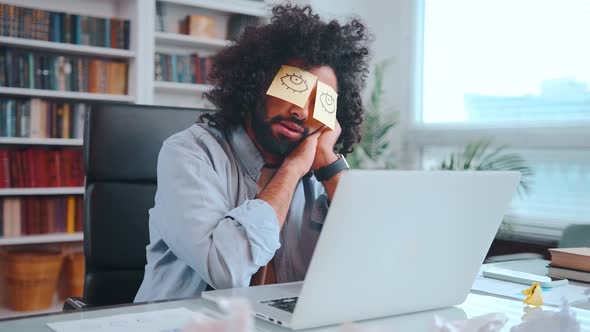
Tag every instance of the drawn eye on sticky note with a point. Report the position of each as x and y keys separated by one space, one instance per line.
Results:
x=328 y=102
x=325 y=105
x=292 y=84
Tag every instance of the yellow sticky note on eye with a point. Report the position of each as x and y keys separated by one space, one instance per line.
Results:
x=292 y=84
x=534 y=295
x=325 y=105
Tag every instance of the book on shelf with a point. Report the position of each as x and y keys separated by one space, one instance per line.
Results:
x=200 y=26
x=41 y=168
x=39 y=70
x=182 y=68
x=34 y=215
x=160 y=12
x=38 y=118
x=562 y=272
x=571 y=258
x=200 y=23
x=39 y=24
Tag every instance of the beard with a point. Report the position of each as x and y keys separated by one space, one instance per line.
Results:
x=280 y=146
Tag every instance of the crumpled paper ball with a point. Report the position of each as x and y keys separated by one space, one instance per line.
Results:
x=551 y=321
x=530 y=312
x=486 y=323
x=238 y=319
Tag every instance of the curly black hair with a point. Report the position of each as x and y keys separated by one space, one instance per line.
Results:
x=243 y=71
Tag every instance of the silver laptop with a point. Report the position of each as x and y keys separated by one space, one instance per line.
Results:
x=393 y=242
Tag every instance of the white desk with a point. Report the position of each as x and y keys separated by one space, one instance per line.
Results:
x=475 y=305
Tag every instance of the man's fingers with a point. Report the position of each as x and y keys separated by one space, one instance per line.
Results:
x=317 y=131
x=316 y=134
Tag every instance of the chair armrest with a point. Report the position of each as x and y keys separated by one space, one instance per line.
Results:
x=74 y=303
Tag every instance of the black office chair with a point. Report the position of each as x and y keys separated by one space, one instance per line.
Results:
x=121 y=145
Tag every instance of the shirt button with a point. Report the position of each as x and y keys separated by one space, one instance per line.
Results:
x=253 y=170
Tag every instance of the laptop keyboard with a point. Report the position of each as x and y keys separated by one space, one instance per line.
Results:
x=286 y=303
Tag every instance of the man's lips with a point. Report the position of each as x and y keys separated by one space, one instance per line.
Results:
x=290 y=130
x=292 y=126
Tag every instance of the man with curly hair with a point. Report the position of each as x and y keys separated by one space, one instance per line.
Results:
x=242 y=194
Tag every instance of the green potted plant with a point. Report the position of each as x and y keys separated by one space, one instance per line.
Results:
x=374 y=149
x=481 y=156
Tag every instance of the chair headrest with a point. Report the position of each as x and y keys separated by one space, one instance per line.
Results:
x=122 y=141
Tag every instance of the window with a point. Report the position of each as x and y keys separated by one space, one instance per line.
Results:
x=518 y=72
x=506 y=61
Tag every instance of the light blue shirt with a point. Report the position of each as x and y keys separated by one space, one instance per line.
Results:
x=207 y=227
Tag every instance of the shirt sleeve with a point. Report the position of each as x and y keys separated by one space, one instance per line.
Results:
x=319 y=211
x=320 y=205
x=226 y=245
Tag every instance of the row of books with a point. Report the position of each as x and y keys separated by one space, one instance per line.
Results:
x=41 y=168
x=182 y=68
x=35 y=70
x=32 y=23
x=570 y=263
x=40 y=118
x=40 y=215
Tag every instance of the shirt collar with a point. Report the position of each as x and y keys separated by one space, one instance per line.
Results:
x=246 y=152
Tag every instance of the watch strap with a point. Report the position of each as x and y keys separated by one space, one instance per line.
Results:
x=328 y=171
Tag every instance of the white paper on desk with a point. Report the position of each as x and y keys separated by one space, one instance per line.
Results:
x=169 y=320
x=551 y=296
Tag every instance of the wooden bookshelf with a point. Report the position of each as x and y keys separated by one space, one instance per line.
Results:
x=41 y=191
x=144 y=42
x=41 y=141
x=138 y=86
x=64 y=48
x=71 y=95
x=42 y=238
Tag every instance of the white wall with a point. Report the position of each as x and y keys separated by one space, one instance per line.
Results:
x=393 y=25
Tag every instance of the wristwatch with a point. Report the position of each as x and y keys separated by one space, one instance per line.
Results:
x=326 y=172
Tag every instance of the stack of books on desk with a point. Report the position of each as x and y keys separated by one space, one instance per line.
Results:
x=570 y=263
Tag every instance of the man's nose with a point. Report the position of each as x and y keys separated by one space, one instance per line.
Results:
x=301 y=113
